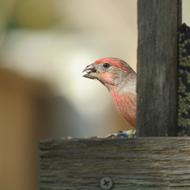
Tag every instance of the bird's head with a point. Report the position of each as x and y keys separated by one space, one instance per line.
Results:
x=109 y=71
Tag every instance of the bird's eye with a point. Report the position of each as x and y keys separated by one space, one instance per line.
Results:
x=106 y=65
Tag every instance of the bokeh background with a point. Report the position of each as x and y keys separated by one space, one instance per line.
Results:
x=44 y=46
x=53 y=41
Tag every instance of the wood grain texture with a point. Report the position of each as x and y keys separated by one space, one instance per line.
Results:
x=157 y=67
x=142 y=163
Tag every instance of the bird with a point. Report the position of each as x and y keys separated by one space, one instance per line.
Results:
x=120 y=80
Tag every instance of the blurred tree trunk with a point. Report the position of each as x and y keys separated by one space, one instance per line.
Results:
x=19 y=119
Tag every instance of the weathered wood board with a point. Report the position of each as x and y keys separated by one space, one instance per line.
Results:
x=157 y=58
x=141 y=163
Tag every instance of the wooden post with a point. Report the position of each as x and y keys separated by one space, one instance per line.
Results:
x=158 y=21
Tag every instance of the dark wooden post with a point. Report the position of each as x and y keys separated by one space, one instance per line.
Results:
x=158 y=21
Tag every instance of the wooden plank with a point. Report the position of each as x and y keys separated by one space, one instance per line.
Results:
x=142 y=163
x=157 y=67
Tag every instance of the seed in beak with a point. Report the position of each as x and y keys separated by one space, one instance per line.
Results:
x=89 y=70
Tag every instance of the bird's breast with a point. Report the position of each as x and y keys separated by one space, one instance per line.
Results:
x=126 y=106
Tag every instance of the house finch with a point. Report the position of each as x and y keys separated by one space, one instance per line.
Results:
x=120 y=80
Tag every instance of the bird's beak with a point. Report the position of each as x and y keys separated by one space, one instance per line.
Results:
x=90 y=71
